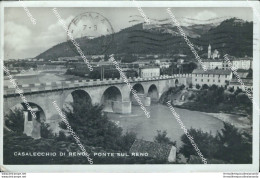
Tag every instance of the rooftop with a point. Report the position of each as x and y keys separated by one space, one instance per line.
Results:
x=154 y=150
x=243 y=58
x=213 y=71
x=212 y=60
x=150 y=67
x=244 y=80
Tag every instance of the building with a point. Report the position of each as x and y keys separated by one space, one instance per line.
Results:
x=141 y=63
x=243 y=73
x=242 y=63
x=248 y=84
x=97 y=56
x=149 y=71
x=157 y=61
x=237 y=63
x=180 y=61
x=214 y=55
x=153 y=150
x=218 y=77
x=69 y=58
x=209 y=51
x=165 y=65
x=213 y=64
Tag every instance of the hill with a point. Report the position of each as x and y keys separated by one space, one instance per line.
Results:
x=233 y=36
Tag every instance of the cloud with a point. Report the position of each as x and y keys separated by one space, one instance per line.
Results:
x=54 y=34
x=21 y=42
x=17 y=38
x=205 y=15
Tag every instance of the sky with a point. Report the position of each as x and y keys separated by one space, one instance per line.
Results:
x=23 y=39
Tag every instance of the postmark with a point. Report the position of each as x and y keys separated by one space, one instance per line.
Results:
x=93 y=32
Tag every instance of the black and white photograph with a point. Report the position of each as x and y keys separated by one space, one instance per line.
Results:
x=133 y=83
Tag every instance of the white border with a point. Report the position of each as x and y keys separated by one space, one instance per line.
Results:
x=1 y=82
x=145 y=168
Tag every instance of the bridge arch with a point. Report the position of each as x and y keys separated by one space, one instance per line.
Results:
x=139 y=88
x=112 y=93
x=78 y=95
x=22 y=106
x=153 y=92
x=31 y=125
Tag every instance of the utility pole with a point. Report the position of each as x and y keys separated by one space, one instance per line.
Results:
x=102 y=71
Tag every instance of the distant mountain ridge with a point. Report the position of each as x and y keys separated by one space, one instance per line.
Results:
x=232 y=36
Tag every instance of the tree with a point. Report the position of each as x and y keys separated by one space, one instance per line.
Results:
x=15 y=120
x=205 y=141
x=197 y=86
x=46 y=131
x=162 y=138
x=228 y=145
x=95 y=74
x=106 y=57
x=243 y=98
x=93 y=127
x=128 y=58
x=238 y=90
x=188 y=68
x=213 y=87
x=205 y=87
x=234 y=147
x=231 y=89
x=127 y=141
x=182 y=87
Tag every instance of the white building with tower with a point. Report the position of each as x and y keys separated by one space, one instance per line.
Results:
x=214 y=55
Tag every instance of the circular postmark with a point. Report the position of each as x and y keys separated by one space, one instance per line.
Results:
x=92 y=31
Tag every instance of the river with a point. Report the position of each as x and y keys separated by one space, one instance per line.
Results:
x=163 y=119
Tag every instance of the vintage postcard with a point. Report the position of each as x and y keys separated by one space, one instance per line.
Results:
x=129 y=86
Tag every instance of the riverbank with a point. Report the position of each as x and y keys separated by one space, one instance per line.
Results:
x=239 y=120
x=217 y=102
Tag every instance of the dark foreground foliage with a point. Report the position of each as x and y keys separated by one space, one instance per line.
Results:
x=228 y=146
x=97 y=134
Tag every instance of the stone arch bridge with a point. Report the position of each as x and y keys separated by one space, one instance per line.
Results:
x=41 y=95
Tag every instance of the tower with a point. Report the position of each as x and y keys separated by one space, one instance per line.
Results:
x=209 y=52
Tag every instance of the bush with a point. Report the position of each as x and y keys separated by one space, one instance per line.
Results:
x=93 y=127
x=229 y=145
x=234 y=146
x=191 y=97
x=205 y=87
x=46 y=132
x=213 y=87
x=62 y=136
x=182 y=87
x=238 y=90
x=206 y=142
x=15 y=121
x=243 y=98
x=162 y=138
x=197 y=86
x=127 y=141
x=231 y=89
